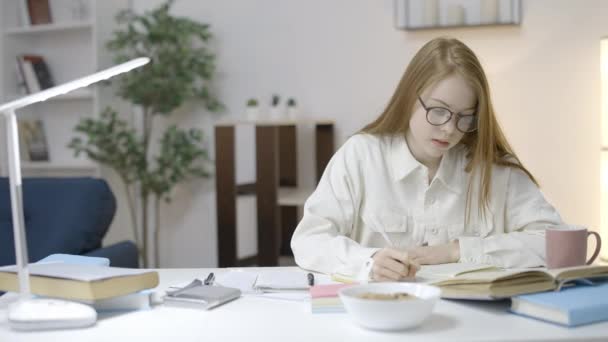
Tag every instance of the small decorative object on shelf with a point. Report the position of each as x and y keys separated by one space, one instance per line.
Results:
x=79 y=10
x=253 y=110
x=35 y=72
x=292 y=109
x=33 y=140
x=275 y=110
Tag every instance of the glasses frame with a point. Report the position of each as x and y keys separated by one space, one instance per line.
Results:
x=458 y=116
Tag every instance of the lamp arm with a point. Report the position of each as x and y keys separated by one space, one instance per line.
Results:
x=15 y=180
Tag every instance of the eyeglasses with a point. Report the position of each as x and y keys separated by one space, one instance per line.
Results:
x=438 y=116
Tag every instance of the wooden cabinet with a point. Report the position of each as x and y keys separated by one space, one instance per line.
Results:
x=277 y=193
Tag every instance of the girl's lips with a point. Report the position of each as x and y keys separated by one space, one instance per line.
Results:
x=441 y=143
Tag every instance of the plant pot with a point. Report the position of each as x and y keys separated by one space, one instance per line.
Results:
x=252 y=113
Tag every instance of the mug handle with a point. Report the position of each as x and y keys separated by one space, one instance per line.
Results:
x=598 y=246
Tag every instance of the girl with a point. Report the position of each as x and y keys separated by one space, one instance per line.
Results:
x=432 y=180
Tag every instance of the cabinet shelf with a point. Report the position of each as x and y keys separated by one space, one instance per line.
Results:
x=289 y=196
x=50 y=166
x=68 y=26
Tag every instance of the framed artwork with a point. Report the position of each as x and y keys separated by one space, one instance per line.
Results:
x=425 y=14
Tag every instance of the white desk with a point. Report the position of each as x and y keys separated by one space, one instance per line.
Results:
x=259 y=319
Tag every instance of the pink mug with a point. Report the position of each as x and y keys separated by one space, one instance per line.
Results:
x=566 y=246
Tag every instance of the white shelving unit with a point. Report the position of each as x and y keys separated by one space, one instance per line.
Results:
x=73 y=45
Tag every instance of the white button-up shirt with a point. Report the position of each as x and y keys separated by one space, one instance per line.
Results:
x=375 y=194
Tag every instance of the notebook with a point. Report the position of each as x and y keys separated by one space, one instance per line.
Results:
x=573 y=306
x=202 y=297
x=75 y=259
x=281 y=281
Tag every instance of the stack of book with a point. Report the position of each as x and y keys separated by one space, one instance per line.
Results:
x=567 y=296
x=80 y=282
x=325 y=298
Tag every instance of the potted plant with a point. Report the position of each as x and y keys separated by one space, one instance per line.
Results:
x=253 y=111
x=292 y=109
x=181 y=69
x=275 y=110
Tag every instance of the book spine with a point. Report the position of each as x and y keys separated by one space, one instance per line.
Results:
x=134 y=301
x=24 y=13
x=43 y=74
x=38 y=147
x=21 y=84
x=40 y=12
x=30 y=76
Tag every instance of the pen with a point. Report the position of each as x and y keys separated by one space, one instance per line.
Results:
x=311 y=279
x=210 y=278
x=194 y=283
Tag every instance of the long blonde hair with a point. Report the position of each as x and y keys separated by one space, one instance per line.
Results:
x=487 y=146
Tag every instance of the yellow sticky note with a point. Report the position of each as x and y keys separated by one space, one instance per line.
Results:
x=342 y=278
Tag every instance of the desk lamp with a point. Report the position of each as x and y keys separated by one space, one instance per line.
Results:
x=54 y=313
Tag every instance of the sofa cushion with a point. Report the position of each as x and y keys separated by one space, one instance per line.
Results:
x=62 y=215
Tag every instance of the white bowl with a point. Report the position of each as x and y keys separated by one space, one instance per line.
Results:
x=378 y=314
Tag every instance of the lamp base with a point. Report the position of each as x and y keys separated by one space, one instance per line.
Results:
x=46 y=314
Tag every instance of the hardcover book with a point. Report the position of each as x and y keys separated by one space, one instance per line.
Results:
x=572 y=306
x=41 y=71
x=39 y=12
x=78 y=281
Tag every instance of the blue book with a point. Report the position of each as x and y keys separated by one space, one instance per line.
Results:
x=572 y=306
x=76 y=259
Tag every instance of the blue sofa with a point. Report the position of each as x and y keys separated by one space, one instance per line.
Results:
x=64 y=215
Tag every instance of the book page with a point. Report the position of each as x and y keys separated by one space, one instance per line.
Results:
x=76 y=271
x=490 y=276
x=585 y=271
x=451 y=270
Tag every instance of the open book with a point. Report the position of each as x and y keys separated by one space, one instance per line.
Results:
x=493 y=283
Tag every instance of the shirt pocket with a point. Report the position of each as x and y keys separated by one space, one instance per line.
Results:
x=385 y=220
x=455 y=231
x=474 y=229
x=387 y=224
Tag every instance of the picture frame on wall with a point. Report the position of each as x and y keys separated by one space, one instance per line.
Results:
x=429 y=14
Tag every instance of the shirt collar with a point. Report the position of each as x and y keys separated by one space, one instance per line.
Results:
x=451 y=171
x=402 y=160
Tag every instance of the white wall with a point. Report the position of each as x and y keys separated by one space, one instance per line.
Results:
x=341 y=59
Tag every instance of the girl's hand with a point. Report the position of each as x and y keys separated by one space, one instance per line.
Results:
x=393 y=265
x=440 y=254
